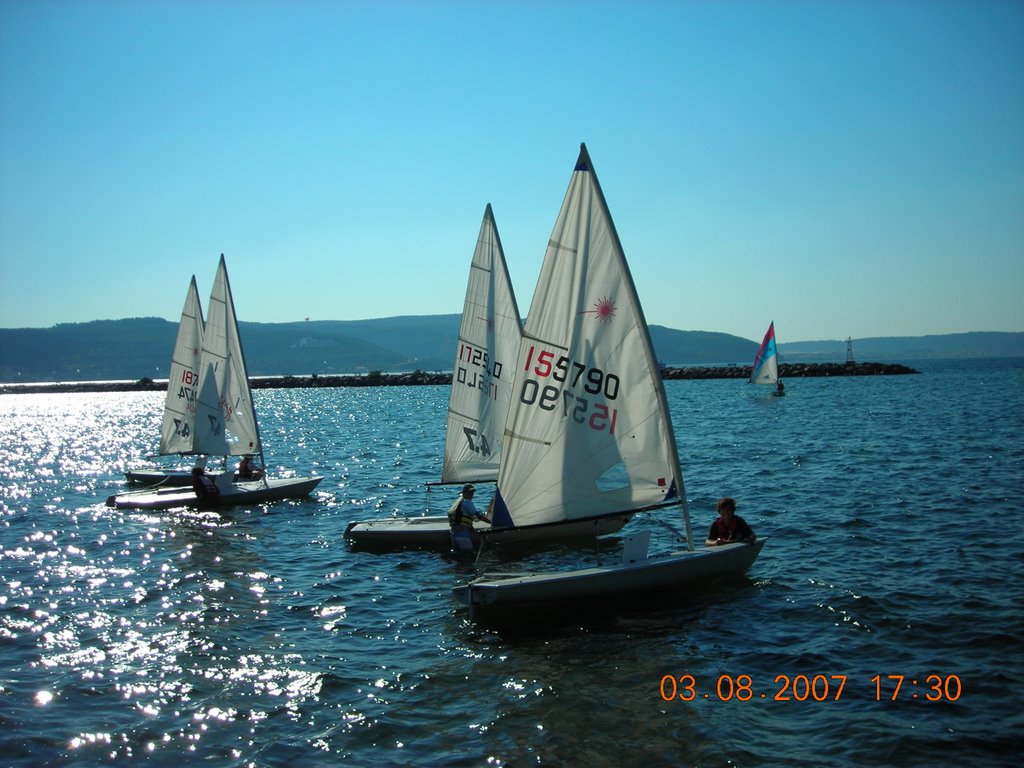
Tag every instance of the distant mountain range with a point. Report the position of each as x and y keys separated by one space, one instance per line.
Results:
x=139 y=348
x=950 y=345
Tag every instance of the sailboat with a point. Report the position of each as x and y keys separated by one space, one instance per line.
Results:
x=182 y=392
x=224 y=419
x=178 y=425
x=489 y=337
x=588 y=439
x=765 y=369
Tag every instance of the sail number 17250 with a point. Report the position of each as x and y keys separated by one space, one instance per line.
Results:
x=579 y=407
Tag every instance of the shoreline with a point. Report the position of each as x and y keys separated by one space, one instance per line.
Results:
x=420 y=378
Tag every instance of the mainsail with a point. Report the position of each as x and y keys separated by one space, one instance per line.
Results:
x=176 y=432
x=588 y=433
x=208 y=436
x=224 y=362
x=485 y=359
x=766 y=364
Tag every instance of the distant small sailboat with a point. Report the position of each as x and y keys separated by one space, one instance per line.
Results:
x=224 y=419
x=765 y=369
x=481 y=389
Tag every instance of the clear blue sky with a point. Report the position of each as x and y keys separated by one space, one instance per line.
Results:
x=842 y=168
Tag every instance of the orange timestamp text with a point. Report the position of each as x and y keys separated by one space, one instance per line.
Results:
x=930 y=687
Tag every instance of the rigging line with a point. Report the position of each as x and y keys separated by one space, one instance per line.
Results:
x=679 y=535
x=479 y=552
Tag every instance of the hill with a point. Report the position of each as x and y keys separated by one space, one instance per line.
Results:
x=137 y=348
x=952 y=345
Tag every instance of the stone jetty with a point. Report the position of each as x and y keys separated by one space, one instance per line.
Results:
x=420 y=378
x=789 y=371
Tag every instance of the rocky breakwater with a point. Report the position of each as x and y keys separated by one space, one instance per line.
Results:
x=789 y=370
x=420 y=378
x=372 y=379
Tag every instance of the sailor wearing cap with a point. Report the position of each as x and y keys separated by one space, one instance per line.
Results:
x=461 y=516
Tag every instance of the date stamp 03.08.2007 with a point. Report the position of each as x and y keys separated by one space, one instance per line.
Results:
x=928 y=687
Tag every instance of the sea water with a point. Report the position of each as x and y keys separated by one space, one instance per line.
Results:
x=883 y=623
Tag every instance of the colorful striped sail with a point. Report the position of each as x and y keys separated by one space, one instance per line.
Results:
x=766 y=364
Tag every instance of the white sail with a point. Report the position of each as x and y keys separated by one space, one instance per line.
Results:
x=222 y=352
x=225 y=420
x=765 y=369
x=485 y=358
x=176 y=432
x=588 y=432
x=208 y=430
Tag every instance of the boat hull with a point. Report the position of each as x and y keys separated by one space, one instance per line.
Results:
x=251 y=492
x=601 y=583
x=433 y=532
x=576 y=529
x=428 y=532
x=173 y=478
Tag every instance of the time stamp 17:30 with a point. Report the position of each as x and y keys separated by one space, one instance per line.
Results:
x=930 y=687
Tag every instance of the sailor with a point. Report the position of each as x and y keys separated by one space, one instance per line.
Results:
x=205 y=488
x=248 y=469
x=461 y=516
x=729 y=527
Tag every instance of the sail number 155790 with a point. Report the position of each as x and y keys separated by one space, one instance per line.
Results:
x=580 y=408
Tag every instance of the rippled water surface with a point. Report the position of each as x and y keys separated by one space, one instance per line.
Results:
x=257 y=637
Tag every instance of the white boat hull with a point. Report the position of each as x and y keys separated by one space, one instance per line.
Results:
x=251 y=492
x=431 y=532
x=601 y=583
x=166 y=478
x=576 y=529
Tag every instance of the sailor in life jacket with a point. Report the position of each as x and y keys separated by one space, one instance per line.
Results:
x=249 y=469
x=461 y=515
x=203 y=485
x=729 y=527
